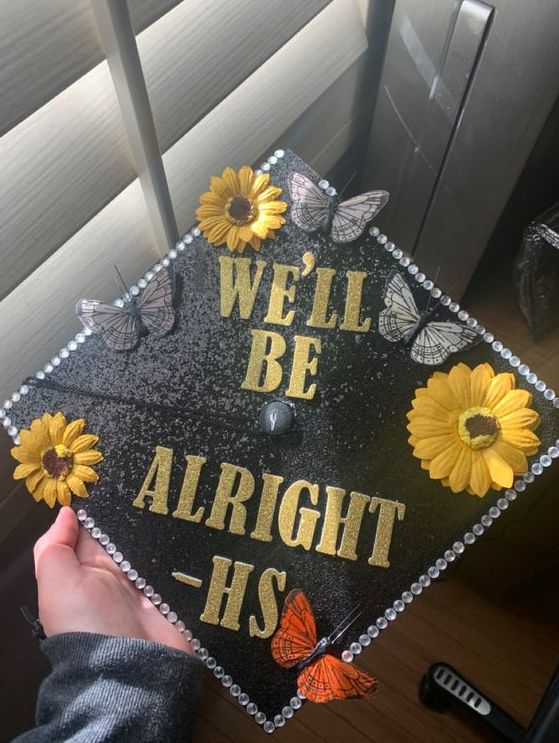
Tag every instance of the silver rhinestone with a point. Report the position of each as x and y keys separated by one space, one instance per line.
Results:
x=64 y=353
x=96 y=532
x=355 y=648
x=134 y=290
x=72 y=345
x=364 y=640
x=260 y=718
x=279 y=153
x=419 y=277
x=413 y=269
x=389 y=246
x=398 y=253
x=502 y=504
x=226 y=681
x=469 y=538
x=8 y=404
x=110 y=549
x=553 y=452
x=149 y=591
x=295 y=702
x=259 y=171
x=405 y=261
x=157 y=268
x=87 y=331
x=486 y=520
x=540 y=386
x=89 y=523
x=449 y=556
x=210 y=661
x=511 y=495
x=520 y=485
x=219 y=672
x=268 y=727
x=478 y=530
x=347 y=656
x=488 y=337
x=172 y=254
x=180 y=625
x=244 y=699
x=382 y=239
x=2 y=413
x=172 y=617
x=82 y=515
x=7 y=422
x=390 y=614
x=265 y=167
x=180 y=246
x=441 y=564
x=531 y=378
x=523 y=369
x=433 y=572
x=537 y=468
x=374 y=231
x=119 y=303
x=416 y=588
x=454 y=306
x=556 y=402
x=471 y=322
x=463 y=315
x=132 y=575
x=41 y=374
x=428 y=285
x=330 y=191
x=16 y=440
x=187 y=635
x=49 y=368
x=188 y=239
x=252 y=708
x=279 y=721
x=196 y=232
x=272 y=160
x=480 y=330
x=373 y=631
x=399 y=605
x=140 y=583
x=494 y=512
x=156 y=600
x=195 y=642
x=287 y=712
x=382 y=623
x=497 y=346
x=118 y=557
x=125 y=566
x=165 y=262
x=16 y=397
x=13 y=431
x=165 y=609
x=80 y=337
x=546 y=460
x=445 y=300
x=323 y=184
x=55 y=361
x=425 y=581
x=203 y=653
x=407 y=597
x=436 y=293
x=549 y=394
x=300 y=694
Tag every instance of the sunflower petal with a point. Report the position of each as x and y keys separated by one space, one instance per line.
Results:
x=498 y=388
x=513 y=457
x=443 y=464
x=246 y=178
x=84 y=442
x=73 y=430
x=85 y=473
x=76 y=486
x=33 y=480
x=24 y=470
x=460 y=476
x=38 y=491
x=524 y=418
x=439 y=390
x=260 y=184
x=64 y=495
x=50 y=492
x=459 y=383
x=428 y=427
x=231 y=180
x=479 y=382
x=259 y=228
x=480 y=481
x=500 y=470
x=25 y=455
x=512 y=401
x=245 y=233
x=427 y=407
x=211 y=198
x=430 y=448
x=56 y=428
x=91 y=456
x=218 y=186
x=233 y=241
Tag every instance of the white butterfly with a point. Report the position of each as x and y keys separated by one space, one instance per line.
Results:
x=313 y=210
x=120 y=326
x=431 y=342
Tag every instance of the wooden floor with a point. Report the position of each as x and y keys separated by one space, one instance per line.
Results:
x=509 y=650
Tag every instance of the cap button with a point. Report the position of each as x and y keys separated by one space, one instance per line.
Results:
x=276 y=418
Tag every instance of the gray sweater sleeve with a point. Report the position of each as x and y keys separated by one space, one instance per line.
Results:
x=115 y=689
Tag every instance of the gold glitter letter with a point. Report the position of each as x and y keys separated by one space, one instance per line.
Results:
x=387 y=514
x=280 y=292
x=188 y=491
x=353 y=298
x=267 y=348
x=322 y=291
x=219 y=588
x=161 y=470
x=302 y=365
x=268 y=602
x=333 y=518
x=268 y=499
x=288 y=513
x=236 y=284
x=224 y=497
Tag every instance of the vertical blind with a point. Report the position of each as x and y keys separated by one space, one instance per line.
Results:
x=227 y=81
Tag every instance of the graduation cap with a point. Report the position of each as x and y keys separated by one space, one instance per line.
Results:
x=284 y=414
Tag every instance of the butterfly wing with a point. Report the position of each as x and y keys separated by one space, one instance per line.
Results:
x=296 y=637
x=351 y=216
x=118 y=328
x=330 y=678
x=437 y=340
x=401 y=315
x=310 y=205
x=155 y=304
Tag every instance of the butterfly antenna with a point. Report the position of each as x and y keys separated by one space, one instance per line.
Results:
x=345 y=624
x=121 y=279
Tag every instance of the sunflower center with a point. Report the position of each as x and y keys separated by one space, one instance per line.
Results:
x=478 y=427
x=239 y=210
x=57 y=462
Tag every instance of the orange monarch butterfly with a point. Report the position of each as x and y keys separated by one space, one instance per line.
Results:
x=322 y=677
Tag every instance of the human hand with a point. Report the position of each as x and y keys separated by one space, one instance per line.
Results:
x=82 y=590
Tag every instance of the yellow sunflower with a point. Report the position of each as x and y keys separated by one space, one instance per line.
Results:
x=55 y=459
x=240 y=208
x=472 y=429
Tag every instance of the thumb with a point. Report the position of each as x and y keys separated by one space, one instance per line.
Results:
x=54 y=552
